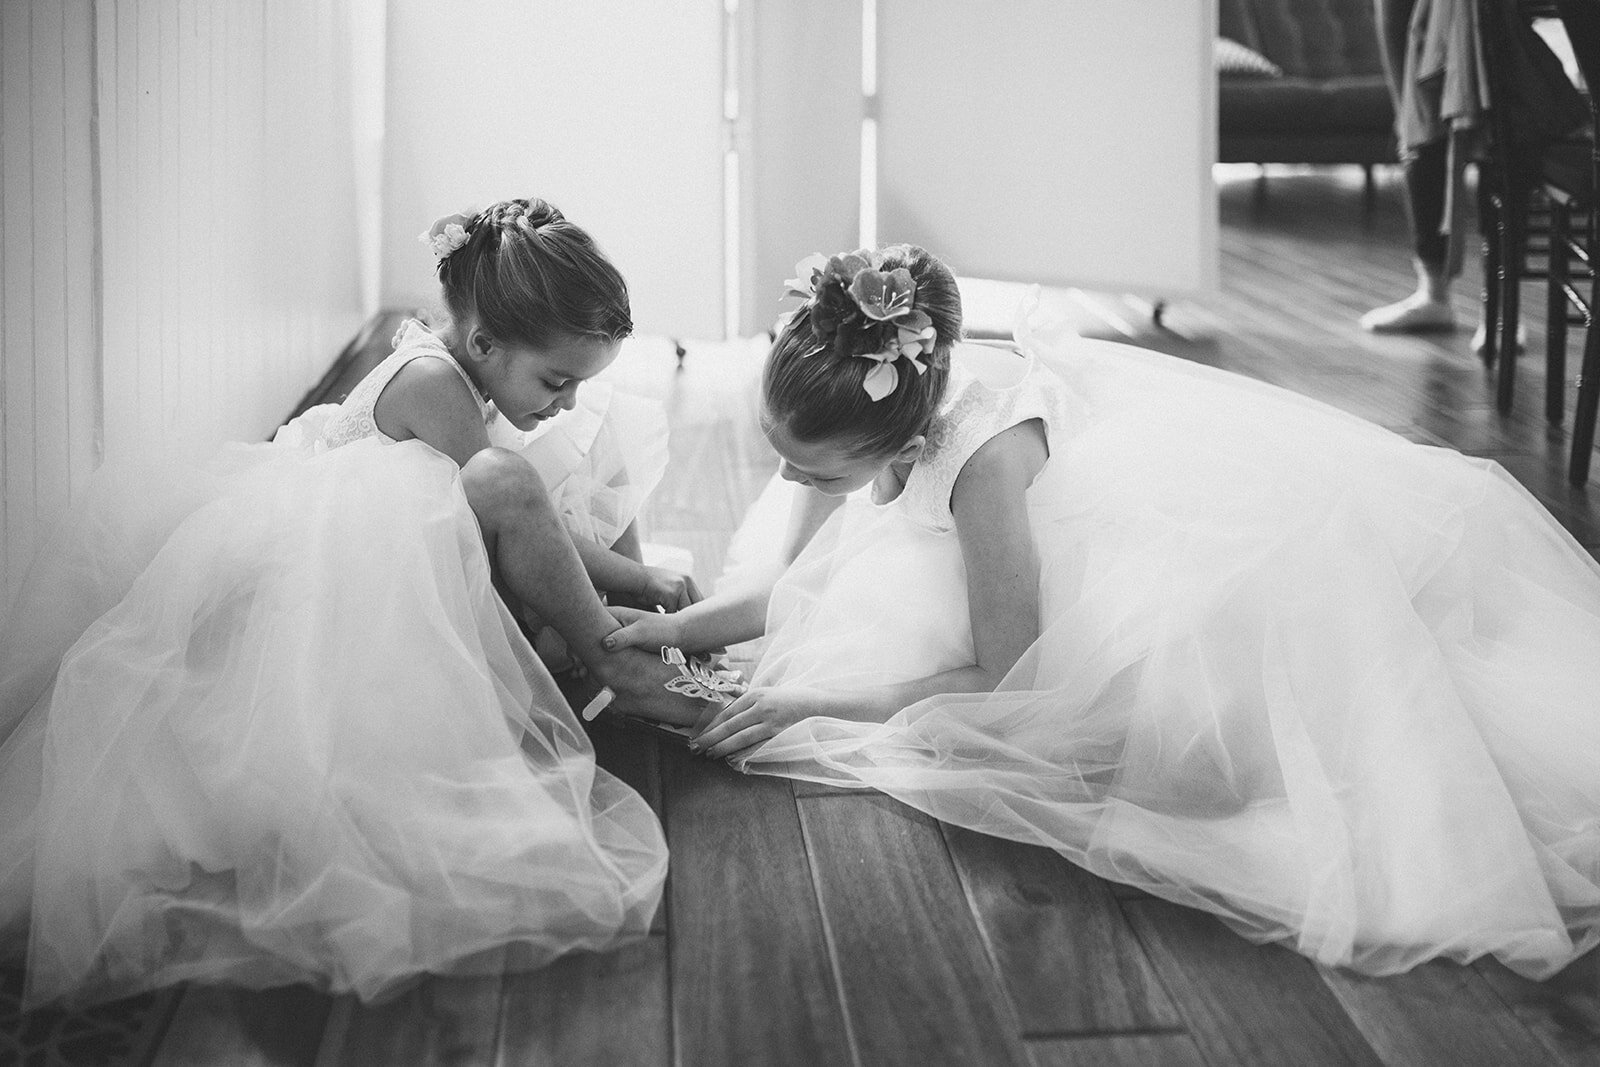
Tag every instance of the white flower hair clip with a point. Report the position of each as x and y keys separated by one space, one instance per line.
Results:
x=448 y=233
x=860 y=310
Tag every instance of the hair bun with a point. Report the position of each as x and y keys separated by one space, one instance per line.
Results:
x=527 y=275
x=538 y=213
x=533 y=214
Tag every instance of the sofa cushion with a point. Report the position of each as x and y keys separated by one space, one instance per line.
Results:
x=1303 y=105
x=1236 y=22
x=1234 y=60
x=1307 y=38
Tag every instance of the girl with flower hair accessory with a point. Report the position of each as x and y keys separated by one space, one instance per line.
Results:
x=601 y=458
x=1196 y=633
x=268 y=720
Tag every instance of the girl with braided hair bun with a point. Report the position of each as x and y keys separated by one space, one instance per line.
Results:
x=1194 y=632
x=268 y=720
x=605 y=452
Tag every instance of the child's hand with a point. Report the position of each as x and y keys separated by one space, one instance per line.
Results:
x=758 y=715
x=660 y=587
x=649 y=630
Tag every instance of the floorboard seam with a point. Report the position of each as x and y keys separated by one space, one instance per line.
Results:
x=828 y=939
x=983 y=931
x=1077 y=1035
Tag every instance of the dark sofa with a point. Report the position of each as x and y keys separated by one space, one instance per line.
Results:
x=1330 y=104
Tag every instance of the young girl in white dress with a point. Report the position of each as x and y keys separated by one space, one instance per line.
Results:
x=1196 y=633
x=267 y=720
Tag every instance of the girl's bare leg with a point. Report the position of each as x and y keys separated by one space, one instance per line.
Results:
x=534 y=558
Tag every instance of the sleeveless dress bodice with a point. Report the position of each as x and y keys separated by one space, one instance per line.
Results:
x=990 y=390
x=332 y=425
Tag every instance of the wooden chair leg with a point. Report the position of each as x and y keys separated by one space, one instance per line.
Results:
x=1584 y=411
x=1556 y=313
x=1513 y=205
x=1583 y=415
x=1489 y=227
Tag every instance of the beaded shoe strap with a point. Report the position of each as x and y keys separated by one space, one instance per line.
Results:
x=698 y=677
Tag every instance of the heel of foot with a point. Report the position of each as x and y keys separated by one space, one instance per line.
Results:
x=1412 y=315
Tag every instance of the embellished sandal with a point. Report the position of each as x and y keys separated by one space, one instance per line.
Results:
x=699 y=677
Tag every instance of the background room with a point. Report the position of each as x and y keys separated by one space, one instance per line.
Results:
x=203 y=203
x=210 y=214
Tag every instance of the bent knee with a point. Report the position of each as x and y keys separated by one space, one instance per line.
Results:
x=498 y=481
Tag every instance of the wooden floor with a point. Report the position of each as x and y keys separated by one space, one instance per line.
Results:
x=811 y=926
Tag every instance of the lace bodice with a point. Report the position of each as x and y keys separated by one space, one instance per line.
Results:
x=353 y=419
x=991 y=389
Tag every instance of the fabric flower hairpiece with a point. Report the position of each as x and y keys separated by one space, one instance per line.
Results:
x=448 y=233
x=861 y=311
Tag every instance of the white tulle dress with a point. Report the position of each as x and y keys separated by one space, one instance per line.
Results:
x=1339 y=689
x=265 y=720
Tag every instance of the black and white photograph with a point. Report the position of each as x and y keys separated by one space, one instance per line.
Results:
x=729 y=533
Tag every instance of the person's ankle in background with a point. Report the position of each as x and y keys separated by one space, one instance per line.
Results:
x=1428 y=309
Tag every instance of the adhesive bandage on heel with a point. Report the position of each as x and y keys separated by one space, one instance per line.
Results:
x=599 y=703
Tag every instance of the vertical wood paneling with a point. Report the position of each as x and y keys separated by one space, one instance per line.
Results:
x=80 y=215
x=178 y=215
x=17 y=123
x=216 y=199
x=190 y=51
x=231 y=203
x=48 y=215
x=116 y=100
x=170 y=105
x=144 y=224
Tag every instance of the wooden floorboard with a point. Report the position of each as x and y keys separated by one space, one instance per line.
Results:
x=247 y=1028
x=441 y=1022
x=1246 y=1003
x=612 y=1008
x=810 y=925
x=1066 y=957
x=1562 y=1012
x=751 y=978
x=1435 y=1013
x=1116 y=1050
x=917 y=982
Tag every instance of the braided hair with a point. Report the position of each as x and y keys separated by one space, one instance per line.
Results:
x=530 y=277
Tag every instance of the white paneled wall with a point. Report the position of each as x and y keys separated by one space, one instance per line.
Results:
x=1067 y=142
x=49 y=322
x=227 y=214
x=180 y=239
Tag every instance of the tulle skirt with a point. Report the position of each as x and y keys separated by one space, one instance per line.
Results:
x=266 y=721
x=1337 y=688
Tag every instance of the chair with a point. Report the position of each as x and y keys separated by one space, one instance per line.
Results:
x=1526 y=184
x=1572 y=198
